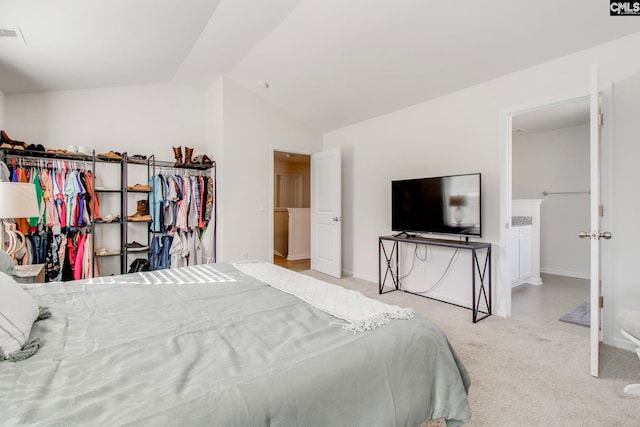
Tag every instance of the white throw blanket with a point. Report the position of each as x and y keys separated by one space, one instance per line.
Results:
x=361 y=312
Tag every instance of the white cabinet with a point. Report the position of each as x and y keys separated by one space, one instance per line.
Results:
x=514 y=248
x=526 y=230
x=521 y=254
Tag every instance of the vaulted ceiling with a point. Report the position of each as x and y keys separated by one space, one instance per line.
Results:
x=330 y=63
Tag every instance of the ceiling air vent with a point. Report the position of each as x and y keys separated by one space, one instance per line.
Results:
x=11 y=36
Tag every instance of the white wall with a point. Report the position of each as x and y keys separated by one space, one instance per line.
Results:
x=251 y=127
x=626 y=198
x=137 y=119
x=458 y=133
x=214 y=133
x=553 y=161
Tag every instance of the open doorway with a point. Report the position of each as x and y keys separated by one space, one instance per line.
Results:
x=291 y=212
x=550 y=266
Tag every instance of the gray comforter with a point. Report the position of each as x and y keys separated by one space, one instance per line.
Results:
x=211 y=346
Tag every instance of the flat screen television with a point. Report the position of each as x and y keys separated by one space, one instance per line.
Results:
x=442 y=205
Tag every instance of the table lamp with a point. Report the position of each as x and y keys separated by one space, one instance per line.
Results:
x=458 y=213
x=17 y=200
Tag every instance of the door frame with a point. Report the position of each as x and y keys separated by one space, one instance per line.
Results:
x=503 y=291
x=271 y=204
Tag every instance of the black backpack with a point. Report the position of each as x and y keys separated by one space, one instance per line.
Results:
x=139 y=264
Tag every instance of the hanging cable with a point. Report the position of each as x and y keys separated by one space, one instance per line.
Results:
x=446 y=270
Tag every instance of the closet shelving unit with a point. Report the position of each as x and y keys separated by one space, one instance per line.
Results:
x=152 y=165
x=147 y=163
x=120 y=222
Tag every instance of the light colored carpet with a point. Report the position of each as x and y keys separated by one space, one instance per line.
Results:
x=580 y=315
x=526 y=375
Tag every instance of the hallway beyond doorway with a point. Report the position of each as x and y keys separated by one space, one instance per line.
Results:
x=297 y=265
x=543 y=305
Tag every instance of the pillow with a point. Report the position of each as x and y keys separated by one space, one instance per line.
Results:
x=6 y=263
x=18 y=311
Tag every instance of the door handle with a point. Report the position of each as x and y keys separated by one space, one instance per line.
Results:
x=594 y=235
x=337 y=218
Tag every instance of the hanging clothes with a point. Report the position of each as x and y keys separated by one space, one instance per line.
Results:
x=59 y=235
x=180 y=202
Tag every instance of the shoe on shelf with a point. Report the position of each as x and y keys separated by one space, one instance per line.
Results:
x=139 y=187
x=138 y=157
x=177 y=154
x=72 y=150
x=111 y=155
x=188 y=152
x=4 y=137
x=109 y=218
x=202 y=159
x=135 y=247
x=139 y=218
x=34 y=147
x=142 y=212
x=84 y=150
x=107 y=252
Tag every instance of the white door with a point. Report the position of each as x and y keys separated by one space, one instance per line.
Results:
x=326 y=212
x=595 y=235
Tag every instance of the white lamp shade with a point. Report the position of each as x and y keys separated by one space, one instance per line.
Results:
x=18 y=200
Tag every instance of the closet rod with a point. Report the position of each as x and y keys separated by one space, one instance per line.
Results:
x=546 y=193
x=48 y=163
x=47 y=156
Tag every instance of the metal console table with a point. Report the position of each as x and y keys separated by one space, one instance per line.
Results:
x=480 y=289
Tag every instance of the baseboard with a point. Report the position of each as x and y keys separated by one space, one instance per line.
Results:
x=576 y=274
x=298 y=257
x=529 y=280
x=363 y=277
x=624 y=344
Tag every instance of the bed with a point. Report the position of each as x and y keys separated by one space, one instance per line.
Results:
x=229 y=345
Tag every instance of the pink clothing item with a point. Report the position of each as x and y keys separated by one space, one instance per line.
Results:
x=78 y=263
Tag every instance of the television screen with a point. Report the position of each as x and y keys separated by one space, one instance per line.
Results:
x=443 y=205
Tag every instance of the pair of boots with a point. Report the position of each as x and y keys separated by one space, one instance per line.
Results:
x=142 y=212
x=177 y=152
